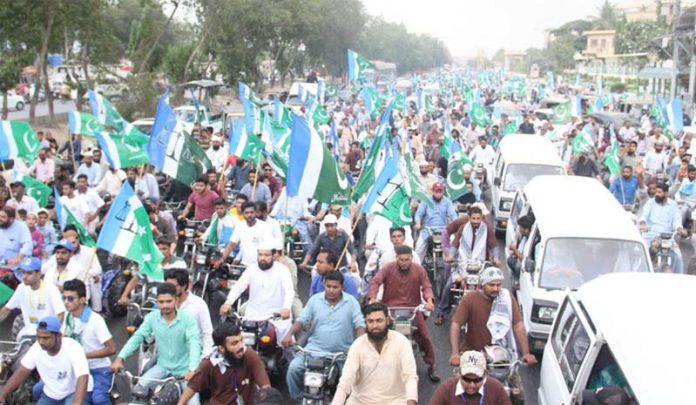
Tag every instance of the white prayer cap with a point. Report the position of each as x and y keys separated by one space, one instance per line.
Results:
x=267 y=244
x=491 y=274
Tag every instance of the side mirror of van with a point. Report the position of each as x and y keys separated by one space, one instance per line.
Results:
x=529 y=265
x=496 y=182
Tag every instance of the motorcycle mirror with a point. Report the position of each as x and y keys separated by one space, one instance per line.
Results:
x=496 y=181
x=529 y=265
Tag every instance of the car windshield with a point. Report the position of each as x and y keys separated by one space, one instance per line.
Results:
x=518 y=176
x=185 y=115
x=571 y=262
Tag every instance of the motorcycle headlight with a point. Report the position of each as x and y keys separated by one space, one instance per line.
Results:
x=249 y=338
x=666 y=244
x=506 y=205
x=472 y=280
x=313 y=380
x=189 y=232
x=200 y=259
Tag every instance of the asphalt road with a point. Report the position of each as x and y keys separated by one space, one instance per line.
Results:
x=42 y=109
x=530 y=374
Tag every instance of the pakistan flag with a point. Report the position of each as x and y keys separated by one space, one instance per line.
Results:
x=456 y=184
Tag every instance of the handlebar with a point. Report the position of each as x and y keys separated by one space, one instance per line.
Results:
x=414 y=310
x=332 y=356
x=130 y=377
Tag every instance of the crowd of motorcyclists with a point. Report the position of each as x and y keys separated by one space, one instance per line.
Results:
x=352 y=337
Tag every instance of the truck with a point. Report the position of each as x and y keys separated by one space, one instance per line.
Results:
x=189 y=115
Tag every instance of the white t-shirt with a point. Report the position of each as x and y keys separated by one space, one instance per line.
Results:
x=77 y=205
x=198 y=309
x=36 y=305
x=93 y=335
x=94 y=202
x=60 y=372
x=248 y=239
x=72 y=271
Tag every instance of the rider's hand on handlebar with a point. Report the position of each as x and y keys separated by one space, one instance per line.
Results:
x=529 y=359
x=449 y=259
x=643 y=227
x=287 y=341
x=224 y=309
x=123 y=301
x=429 y=306
x=116 y=365
x=454 y=360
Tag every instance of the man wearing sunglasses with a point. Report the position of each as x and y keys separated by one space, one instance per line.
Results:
x=472 y=386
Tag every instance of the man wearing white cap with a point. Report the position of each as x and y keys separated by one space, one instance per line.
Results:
x=88 y=167
x=216 y=153
x=270 y=290
x=472 y=385
x=334 y=240
x=492 y=316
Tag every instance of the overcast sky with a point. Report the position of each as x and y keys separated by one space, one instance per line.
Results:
x=468 y=26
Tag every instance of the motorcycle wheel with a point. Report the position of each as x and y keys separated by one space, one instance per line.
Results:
x=114 y=294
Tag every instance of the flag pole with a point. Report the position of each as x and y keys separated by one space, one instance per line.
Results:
x=256 y=180
x=286 y=217
x=345 y=247
x=72 y=155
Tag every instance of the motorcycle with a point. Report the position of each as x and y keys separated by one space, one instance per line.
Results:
x=190 y=230
x=500 y=366
x=9 y=363
x=403 y=321
x=320 y=376
x=260 y=336
x=114 y=282
x=294 y=246
x=164 y=392
x=465 y=278
x=434 y=260
x=371 y=269
x=147 y=352
x=661 y=252
x=8 y=276
x=203 y=269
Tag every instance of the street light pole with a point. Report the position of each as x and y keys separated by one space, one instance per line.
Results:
x=675 y=50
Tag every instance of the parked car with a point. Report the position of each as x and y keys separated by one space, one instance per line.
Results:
x=14 y=103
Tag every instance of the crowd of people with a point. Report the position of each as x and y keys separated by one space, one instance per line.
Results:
x=58 y=277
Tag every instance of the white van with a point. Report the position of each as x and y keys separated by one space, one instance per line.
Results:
x=580 y=232
x=520 y=158
x=293 y=101
x=630 y=330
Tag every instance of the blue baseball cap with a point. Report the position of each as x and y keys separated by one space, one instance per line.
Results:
x=30 y=264
x=50 y=324
x=64 y=244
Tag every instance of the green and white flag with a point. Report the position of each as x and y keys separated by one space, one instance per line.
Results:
x=18 y=140
x=429 y=106
x=456 y=184
x=109 y=116
x=581 y=143
x=562 y=113
x=84 y=124
x=357 y=66
x=36 y=189
x=126 y=233
x=478 y=115
x=243 y=144
x=611 y=161
x=5 y=293
x=124 y=150
x=510 y=127
x=418 y=191
x=65 y=218
x=389 y=196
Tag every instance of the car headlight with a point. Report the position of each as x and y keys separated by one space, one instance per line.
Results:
x=506 y=205
x=249 y=338
x=313 y=380
x=544 y=312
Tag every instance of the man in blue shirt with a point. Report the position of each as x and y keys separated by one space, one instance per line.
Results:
x=437 y=216
x=336 y=321
x=326 y=262
x=625 y=186
x=90 y=169
x=15 y=239
x=661 y=215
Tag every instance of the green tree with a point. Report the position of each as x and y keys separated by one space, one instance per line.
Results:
x=639 y=37
x=607 y=17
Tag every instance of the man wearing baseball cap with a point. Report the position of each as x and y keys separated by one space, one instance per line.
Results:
x=334 y=240
x=437 y=213
x=34 y=298
x=472 y=386
x=60 y=362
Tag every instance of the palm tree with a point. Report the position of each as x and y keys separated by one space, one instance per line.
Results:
x=608 y=16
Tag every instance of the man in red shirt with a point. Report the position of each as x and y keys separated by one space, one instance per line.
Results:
x=403 y=282
x=202 y=199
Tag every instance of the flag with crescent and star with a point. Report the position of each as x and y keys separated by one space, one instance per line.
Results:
x=123 y=150
x=84 y=124
x=18 y=140
x=456 y=183
x=126 y=233
x=65 y=218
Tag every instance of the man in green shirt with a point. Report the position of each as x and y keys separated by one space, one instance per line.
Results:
x=178 y=341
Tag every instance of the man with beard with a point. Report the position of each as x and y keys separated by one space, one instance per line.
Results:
x=89 y=168
x=334 y=240
x=232 y=372
x=585 y=166
x=202 y=200
x=490 y=316
x=20 y=200
x=336 y=320
x=624 y=187
x=215 y=184
x=380 y=368
x=193 y=304
x=44 y=167
x=86 y=259
x=257 y=190
x=15 y=238
x=426 y=178
x=656 y=161
x=60 y=362
x=177 y=337
x=435 y=215
x=270 y=288
x=661 y=215
x=247 y=235
x=216 y=153
x=404 y=283
x=76 y=203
